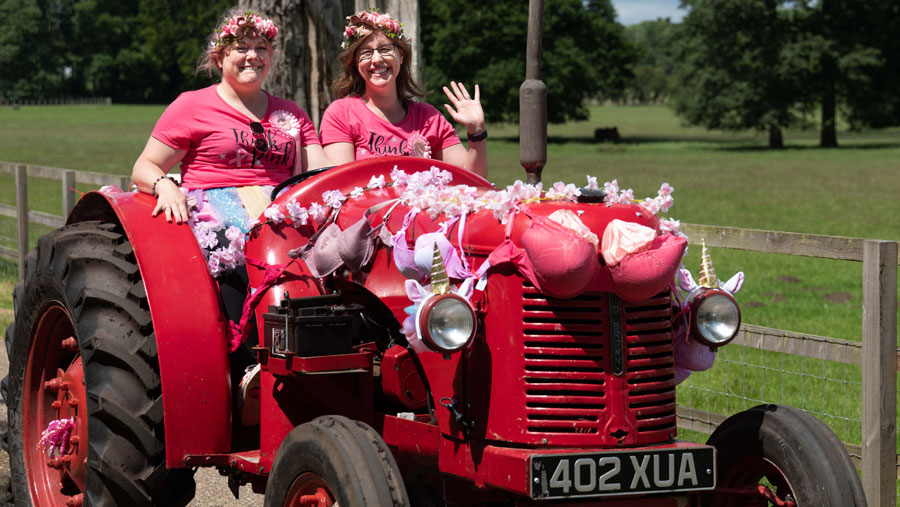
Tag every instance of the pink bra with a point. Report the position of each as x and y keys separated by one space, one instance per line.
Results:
x=554 y=259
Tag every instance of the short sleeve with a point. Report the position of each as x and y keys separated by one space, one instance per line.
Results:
x=174 y=126
x=307 y=129
x=334 y=127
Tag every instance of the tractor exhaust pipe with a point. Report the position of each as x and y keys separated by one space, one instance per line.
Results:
x=533 y=101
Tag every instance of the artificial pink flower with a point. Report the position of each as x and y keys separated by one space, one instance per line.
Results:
x=399 y=177
x=213 y=265
x=236 y=237
x=333 y=198
x=318 y=212
x=274 y=214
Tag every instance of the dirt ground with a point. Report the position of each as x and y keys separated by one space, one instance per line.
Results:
x=212 y=488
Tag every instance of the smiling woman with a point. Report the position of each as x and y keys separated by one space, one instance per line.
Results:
x=235 y=142
x=377 y=112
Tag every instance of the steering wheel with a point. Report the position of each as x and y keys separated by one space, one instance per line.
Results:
x=297 y=178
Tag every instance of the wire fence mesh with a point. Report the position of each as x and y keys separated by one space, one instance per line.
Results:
x=819 y=375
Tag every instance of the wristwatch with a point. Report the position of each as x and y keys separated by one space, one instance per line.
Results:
x=474 y=138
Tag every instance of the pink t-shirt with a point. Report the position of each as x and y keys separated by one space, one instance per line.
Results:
x=219 y=144
x=348 y=120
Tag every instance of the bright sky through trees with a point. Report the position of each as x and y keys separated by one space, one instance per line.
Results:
x=634 y=11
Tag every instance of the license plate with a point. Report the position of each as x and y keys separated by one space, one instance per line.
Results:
x=622 y=472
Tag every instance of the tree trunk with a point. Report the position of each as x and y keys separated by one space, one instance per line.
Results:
x=828 y=134
x=775 y=138
x=309 y=41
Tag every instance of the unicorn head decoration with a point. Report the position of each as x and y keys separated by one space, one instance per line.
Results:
x=708 y=278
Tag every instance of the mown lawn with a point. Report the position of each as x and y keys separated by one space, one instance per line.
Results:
x=729 y=179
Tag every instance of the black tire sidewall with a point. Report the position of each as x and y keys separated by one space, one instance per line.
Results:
x=311 y=448
x=349 y=456
x=39 y=292
x=811 y=460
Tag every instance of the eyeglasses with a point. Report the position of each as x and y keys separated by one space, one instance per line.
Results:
x=385 y=51
x=259 y=137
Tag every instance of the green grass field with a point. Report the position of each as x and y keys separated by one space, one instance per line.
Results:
x=729 y=179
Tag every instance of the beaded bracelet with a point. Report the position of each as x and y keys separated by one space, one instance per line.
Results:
x=163 y=177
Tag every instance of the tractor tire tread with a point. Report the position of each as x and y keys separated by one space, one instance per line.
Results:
x=93 y=265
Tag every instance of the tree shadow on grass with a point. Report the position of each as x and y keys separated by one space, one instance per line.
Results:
x=805 y=147
x=717 y=144
x=624 y=141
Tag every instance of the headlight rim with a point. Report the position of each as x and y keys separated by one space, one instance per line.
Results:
x=697 y=301
x=422 y=322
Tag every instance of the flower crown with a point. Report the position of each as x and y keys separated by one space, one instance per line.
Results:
x=364 y=22
x=241 y=25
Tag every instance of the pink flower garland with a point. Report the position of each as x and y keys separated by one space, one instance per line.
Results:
x=240 y=25
x=364 y=22
x=430 y=191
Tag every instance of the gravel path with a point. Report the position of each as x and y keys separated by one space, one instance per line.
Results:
x=212 y=488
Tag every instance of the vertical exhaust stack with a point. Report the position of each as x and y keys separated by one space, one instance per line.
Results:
x=533 y=101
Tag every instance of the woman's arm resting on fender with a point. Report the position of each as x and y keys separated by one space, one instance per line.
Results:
x=154 y=163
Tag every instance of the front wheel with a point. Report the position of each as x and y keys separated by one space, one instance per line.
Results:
x=792 y=453
x=334 y=461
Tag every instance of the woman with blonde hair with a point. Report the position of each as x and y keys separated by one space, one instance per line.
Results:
x=234 y=142
x=377 y=112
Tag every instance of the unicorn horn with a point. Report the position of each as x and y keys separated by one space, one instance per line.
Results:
x=707 y=272
x=440 y=283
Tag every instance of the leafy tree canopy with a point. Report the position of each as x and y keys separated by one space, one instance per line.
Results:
x=768 y=64
x=654 y=69
x=130 y=50
x=583 y=53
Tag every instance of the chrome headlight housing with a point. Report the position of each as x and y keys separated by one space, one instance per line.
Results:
x=715 y=317
x=446 y=322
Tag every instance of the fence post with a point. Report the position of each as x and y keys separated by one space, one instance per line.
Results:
x=68 y=192
x=22 y=215
x=879 y=372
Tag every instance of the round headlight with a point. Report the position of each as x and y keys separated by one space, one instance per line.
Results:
x=447 y=322
x=716 y=318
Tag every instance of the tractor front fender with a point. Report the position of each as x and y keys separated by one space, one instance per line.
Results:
x=187 y=320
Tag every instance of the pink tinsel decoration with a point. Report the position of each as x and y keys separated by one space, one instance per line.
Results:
x=56 y=436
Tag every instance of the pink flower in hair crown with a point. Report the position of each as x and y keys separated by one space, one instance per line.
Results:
x=364 y=22
x=240 y=25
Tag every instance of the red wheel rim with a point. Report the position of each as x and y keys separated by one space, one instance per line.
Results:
x=309 y=490
x=54 y=389
x=754 y=470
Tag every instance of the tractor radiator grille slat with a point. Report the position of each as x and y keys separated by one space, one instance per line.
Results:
x=567 y=340
x=650 y=377
x=565 y=369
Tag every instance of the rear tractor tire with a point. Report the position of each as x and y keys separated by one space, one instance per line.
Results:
x=336 y=461
x=83 y=348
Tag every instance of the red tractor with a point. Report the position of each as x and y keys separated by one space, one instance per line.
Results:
x=505 y=396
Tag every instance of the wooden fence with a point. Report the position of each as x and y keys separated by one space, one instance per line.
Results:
x=67 y=179
x=60 y=101
x=878 y=354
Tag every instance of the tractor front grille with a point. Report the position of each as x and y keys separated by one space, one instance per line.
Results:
x=565 y=379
